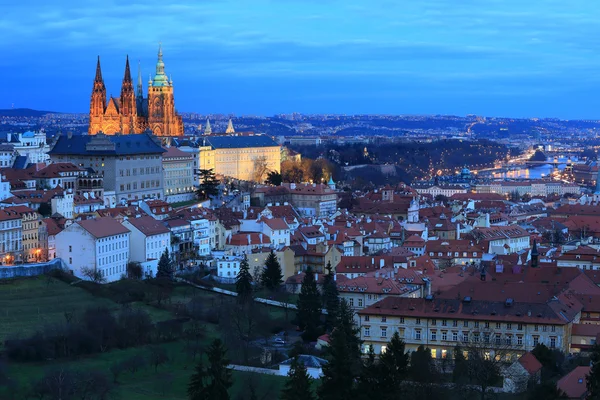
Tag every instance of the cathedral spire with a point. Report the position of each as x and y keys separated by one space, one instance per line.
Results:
x=98 y=72
x=140 y=85
x=127 y=76
x=160 y=79
x=208 y=129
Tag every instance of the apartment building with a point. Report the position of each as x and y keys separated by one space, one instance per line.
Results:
x=100 y=245
x=442 y=324
x=178 y=175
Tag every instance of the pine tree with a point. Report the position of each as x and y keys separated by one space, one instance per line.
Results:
x=209 y=184
x=393 y=368
x=165 y=266
x=344 y=367
x=593 y=378
x=243 y=282
x=331 y=299
x=369 y=381
x=460 y=372
x=271 y=275
x=422 y=367
x=212 y=382
x=298 y=385
x=309 y=307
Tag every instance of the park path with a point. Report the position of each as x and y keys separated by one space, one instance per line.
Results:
x=230 y=293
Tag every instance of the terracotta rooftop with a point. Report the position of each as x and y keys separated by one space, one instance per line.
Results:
x=148 y=225
x=530 y=363
x=574 y=383
x=103 y=227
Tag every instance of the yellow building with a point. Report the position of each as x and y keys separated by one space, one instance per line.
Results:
x=243 y=157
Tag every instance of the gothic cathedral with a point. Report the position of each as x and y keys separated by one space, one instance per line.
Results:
x=131 y=112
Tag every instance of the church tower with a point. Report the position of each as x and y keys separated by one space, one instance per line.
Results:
x=162 y=118
x=128 y=103
x=230 y=127
x=97 y=102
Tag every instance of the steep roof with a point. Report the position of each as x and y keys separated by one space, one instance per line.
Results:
x=530 y=363
x=574 y=383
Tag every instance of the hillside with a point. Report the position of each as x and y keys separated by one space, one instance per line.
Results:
x=24 y=112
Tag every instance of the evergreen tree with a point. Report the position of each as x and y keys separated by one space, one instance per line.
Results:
x=298 y=385
x=593 y=379
x=460 y=373
x=243 y=282
x=344 y=367
x=309 y=307
x=369 y=381
x=274 y=178
x=165 y=266
x=393 y=368
x=271 y=277
x=331 y=299
x=422 y=367
x=209 y=184
x=213 y=381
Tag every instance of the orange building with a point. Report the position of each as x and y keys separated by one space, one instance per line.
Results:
x=132 y=113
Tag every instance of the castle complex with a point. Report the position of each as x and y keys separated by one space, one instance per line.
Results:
x=131 y=112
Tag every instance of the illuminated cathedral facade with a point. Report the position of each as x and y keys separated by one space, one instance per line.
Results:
x=131 y=112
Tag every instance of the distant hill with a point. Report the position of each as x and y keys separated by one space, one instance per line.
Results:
x=24 y=112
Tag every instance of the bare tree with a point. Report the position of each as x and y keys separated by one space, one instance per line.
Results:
x=260 y=168
x=93 y=274
x=487 y=355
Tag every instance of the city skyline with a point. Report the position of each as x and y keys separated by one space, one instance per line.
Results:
x=435 y=57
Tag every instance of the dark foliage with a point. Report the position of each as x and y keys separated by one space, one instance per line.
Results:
x=214 y=380
x=271 y=276
x=309 y=307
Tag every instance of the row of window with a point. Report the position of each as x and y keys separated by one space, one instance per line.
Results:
x=466 y=324
x=449 y=254
x=142 y=171
x=465 y=337
x=143 y=185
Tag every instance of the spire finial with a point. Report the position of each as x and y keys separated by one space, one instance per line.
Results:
x=140 y=85
x=160 y=50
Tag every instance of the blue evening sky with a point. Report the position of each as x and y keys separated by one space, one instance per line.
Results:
x=489 y=57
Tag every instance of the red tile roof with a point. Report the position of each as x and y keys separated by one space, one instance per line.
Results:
x=530 y=363
x=148 y=225
x=103 y=227
x=574 y=383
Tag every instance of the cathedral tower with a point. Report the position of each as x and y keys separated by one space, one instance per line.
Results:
x=128 y=103
x=97 y=102
x=163 y=120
